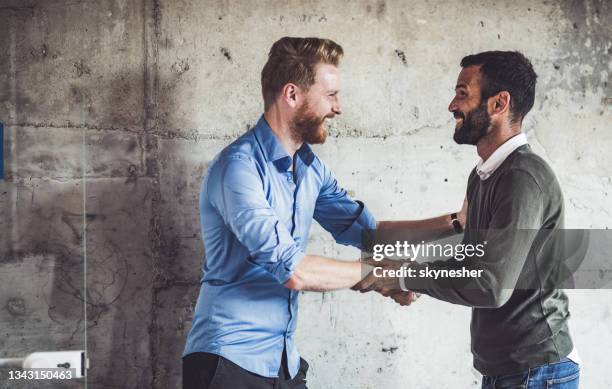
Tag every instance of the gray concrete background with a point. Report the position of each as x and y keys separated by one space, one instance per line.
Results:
x=113 y=110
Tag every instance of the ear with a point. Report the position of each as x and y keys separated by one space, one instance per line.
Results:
x=500 y=103
x=291 y=95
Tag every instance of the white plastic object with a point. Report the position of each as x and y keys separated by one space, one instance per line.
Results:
x=76 y=360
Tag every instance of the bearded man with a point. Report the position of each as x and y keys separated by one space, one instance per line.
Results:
x=520 y=333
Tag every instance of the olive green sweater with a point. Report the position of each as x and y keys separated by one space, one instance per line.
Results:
x=517 y=321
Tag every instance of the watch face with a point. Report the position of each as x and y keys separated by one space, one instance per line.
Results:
x=457 y=226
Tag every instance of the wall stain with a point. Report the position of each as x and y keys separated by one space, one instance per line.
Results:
x=16 y=306
x=586 y=35
x=226 y=53
x=40 y=52
x=389 y=350
x=76 y=94
x=74 y=222
x=381 y=8
x=180 y=67
x=81 y=69
x=400 y=54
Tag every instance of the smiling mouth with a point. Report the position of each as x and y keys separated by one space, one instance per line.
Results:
x=458 y=122
x=326 y=119
x=458 y=119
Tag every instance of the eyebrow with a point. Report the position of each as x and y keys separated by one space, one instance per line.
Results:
x=461 y=85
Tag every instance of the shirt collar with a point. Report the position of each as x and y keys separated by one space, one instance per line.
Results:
x=274 y=150
x=485 y=169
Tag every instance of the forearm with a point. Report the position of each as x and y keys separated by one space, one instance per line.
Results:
x=442 y=222
x=493 y=276
x=315 y=273
x=427 y=229
x=478 y=294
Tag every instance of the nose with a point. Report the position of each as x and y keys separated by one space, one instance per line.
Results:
x=453 y=106
x=336 y=107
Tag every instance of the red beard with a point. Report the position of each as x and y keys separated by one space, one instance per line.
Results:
x=307 y=127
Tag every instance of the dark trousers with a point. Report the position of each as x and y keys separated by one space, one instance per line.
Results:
x=211 y=371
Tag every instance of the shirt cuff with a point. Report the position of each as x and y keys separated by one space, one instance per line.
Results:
x=353 y=235
x=402 y=280
x=284 y=270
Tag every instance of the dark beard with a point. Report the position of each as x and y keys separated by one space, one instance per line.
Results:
x=306 y=127
x=474 y=127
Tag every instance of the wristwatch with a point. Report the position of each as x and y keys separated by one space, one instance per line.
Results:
x=456 y=223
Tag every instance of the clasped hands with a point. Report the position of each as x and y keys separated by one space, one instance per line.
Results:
x=385 y=285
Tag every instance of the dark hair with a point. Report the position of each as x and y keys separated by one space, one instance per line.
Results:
x=294 y=60
x=507 y=71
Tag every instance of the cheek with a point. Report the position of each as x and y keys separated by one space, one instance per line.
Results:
x=322 y=108
x=317 y=103
x=466 y=109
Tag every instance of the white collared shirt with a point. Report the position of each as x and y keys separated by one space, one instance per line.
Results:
x=484 y=169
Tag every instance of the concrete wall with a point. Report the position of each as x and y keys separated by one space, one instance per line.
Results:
x=113 y=110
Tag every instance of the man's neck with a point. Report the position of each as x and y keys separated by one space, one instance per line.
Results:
x=493 y=140
x=280 y=128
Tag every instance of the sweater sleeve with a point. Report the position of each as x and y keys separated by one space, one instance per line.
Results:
x=516 y=215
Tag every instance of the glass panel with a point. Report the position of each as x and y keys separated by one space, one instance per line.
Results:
x=42 y=213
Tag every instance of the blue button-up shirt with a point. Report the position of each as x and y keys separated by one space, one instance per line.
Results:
x=256 y=207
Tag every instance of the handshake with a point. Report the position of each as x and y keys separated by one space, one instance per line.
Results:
x=380 y=281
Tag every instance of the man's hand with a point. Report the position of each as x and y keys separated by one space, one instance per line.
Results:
x=404 y=298
x=386 y=286
x=383 y=284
